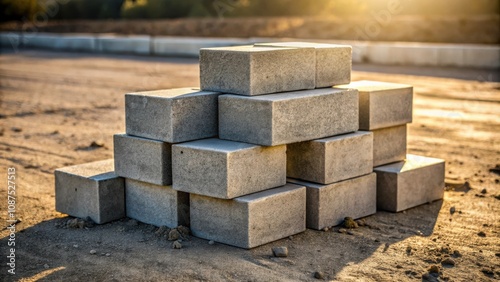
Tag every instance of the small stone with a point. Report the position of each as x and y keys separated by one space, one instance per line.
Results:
x=350 y=232
x=183 y=230
x=350 y=223
x=176 y=245
x=399 y=266
x=290 y=237
x=481 y=234
x=46 y=266
x=456 y=254
x=325 y=229
x=361 y=222
x=448 y=262
x=281 y=252
x=133 y=222
x=319 y=275
x=16 y=129
x=434 y=269
x=75 y=246
x=343 y=231
x=452 y=210
x=93 y=252
x=96 y=144
x=211 y=242
x=162 y=231
x=173 y=235
x=108 y=254
x=484 y=191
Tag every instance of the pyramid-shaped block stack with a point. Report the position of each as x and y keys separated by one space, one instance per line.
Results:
x=276 y=140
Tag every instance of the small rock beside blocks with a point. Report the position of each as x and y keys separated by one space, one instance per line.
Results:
x=90 y=190
x=251 y=220
x=409 y=183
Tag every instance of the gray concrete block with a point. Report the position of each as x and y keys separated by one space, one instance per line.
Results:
x=331 y=159
x=226 y=169
x=382 y=104
x=172 y=115
x=143 y=159
x=409 y=183
x=333 y=61
x=289 y=117
x=124 y=44
x=248 y=70
x=389 y=145
x=156 y=205
x=251 y=220
x=328 y=205
x=90 y=190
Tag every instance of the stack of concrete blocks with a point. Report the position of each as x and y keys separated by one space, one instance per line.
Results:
x=265 y=149
x=277 y=95
x=403 y=180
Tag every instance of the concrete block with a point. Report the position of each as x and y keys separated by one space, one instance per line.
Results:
x=382 y=104
x=409 y=183
x=156 y=205
x=90 y=190
x=190 y=46
x=333 y=61
x=251 y=220
x=248 y=70
x=143 y=159
x=482 y=56
x=290 y=117
x=140 y=45
x=173 y=115
x=331 y=159
x=389 y=145
x=10 y=40
x=226 y=169
x=328 y=205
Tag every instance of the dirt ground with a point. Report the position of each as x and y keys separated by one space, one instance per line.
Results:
x=54 y=105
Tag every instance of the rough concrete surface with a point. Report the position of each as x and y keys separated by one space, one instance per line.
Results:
x=415 y=181
x=288 y=117
x=90 y=190
x=331 y=159
x=250 y=71
x=251 y=220
x=226 y=169
x=328 y=205
x=172 y=115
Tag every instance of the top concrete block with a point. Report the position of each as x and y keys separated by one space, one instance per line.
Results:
x=250 y=71
x=333 y=62
x=382 y=104
x=173 y=115
x=289 y=117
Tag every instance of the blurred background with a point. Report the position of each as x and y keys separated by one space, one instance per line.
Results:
x=444 y=21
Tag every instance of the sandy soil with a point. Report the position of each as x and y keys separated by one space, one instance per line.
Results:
x=54 y=105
